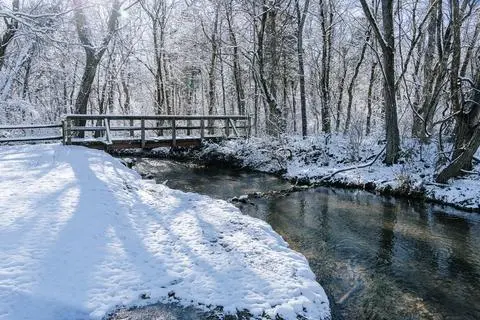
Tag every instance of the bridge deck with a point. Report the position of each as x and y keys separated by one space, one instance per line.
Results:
x=150 y=143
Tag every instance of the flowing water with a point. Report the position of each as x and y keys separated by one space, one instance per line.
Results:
x=377 y=257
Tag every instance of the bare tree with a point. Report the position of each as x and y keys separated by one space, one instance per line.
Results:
x=326 y=16
x=93 y=53
x=353 y=81
x=301 y=17
x=11 y=27
x=370 y=97
x=213 y=37
x=268 y=58
x=341 y=85
x=237 y=68
x=158 y=12
x=467 y=139
x=386 y=40
x=423 y=115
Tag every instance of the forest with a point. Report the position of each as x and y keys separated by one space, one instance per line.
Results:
x=383 y=68
x=339 y=201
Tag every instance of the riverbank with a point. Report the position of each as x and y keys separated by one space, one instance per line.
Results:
x=315 y=160
x=81 y=235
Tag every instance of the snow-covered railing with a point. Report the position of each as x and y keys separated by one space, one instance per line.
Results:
x=110 y=129
x=13 y=135
x=131 y=129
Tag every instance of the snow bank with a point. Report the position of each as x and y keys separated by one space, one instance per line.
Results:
x=81 y=234
x=316 y=157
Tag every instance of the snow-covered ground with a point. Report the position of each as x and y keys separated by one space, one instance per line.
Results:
x=80 y=235
x=315 y=158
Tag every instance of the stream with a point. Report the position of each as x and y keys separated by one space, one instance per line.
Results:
x=376 y=257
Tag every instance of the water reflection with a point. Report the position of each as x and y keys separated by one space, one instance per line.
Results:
x=377 y=257
x=387 y=236
x=383 y=258
x=218 y=183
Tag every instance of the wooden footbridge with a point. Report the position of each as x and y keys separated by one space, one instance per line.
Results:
x=133 y=131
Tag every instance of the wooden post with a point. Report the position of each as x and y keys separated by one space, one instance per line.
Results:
x=131 y=126
x=64 y=131
x=174 y=133
x=189 y=131
x=227 y=127
x=234 y=127
x=202 y=128
x=108 y=137
x=142 y=134
x=69 y=131
x=249 y=129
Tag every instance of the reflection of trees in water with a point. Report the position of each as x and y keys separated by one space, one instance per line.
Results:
x=457 y=266
x=378 y=298
x=383 y=299
x=455 y=234
x=387 y=238
x=301 y=208
x=413 y=278
x=385 y=295
x=380 y=260
x=324 y=220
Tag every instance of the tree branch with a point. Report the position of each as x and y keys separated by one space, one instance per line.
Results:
x=373 y=23
x=354 y=167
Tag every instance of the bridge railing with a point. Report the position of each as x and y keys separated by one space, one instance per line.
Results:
x=31 y=133
x=108 y=128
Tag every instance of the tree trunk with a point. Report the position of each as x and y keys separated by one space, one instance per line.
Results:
x=212 y=71
x=467 y=113
x=326 y=16
x=237 y=71
x=301 y=17
x=461 y=125
x=294 y=106
x=423 y=117
x=387 y=43
x=351 y=86
x=9 y=33
x=159 y=98
x=93 y=55
x=267 y=51
x=464 y=160
x=84 y=91
x=222 y=80
x=126 y=92
x=369 y=99
x=341 y=86
x=473 y=44
x=391 y=122
x=468 y=143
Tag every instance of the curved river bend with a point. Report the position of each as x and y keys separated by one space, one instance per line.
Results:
x=377 y=257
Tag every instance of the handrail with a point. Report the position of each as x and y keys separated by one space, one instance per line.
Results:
x=30 y=139
x=156 y=117
x=17 y=138
x=31 y=126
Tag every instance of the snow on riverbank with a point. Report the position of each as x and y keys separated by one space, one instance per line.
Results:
x=317 y=157
x=81 y=234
